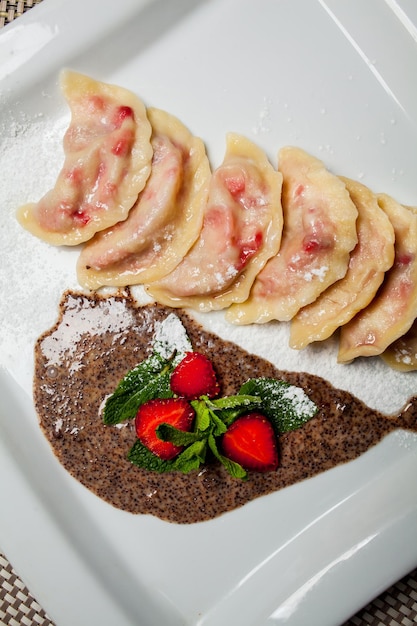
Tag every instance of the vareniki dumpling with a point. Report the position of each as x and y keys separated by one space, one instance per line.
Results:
x=371 y=258
x=166 y=219
x=241 y=230
x=393 y=310
x=107 y=162
x=319 y=234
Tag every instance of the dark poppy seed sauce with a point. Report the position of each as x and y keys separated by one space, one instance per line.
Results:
x=97 y=339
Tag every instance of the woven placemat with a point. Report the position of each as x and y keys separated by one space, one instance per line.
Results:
x=17 y=605
x=10 y=9
x=396 y=607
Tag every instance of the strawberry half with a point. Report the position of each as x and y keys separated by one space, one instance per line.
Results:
x=175 y=411
x=194 y=376
x=250 y=441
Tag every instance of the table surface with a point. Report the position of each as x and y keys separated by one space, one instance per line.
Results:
x=397 y=606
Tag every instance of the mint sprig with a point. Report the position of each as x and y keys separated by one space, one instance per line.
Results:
x=287 y=406
x=232 y=467
x=229 y=408
x=191 y=458
x=149 y=379
x=178 y=437
x=211 y=422
x=141 y=456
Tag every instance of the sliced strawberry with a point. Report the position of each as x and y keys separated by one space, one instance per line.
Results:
x=250 y=441
x=194 y=376
x=175 y=411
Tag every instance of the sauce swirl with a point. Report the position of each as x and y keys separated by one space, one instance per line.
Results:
x=97 y=339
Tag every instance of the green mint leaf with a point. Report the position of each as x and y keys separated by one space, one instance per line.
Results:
x=124 y=405
x=141 y=456
x=238 y=401
x=287 y=406
x=178 y=437
x=171 y=339
x=136 y=379
x=234 y=469
x=206 y=418
x=192 y=457
x=202 y=415
x=230 y=408
x=218 y=426
x=141 y=374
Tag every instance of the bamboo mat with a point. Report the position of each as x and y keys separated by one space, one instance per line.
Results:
x=396 y=607
x=10 y=9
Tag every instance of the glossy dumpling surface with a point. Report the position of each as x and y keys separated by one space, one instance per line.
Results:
x=370 y=259
x=393 y=310
x=402 y=354
x=107 y=162
x=166 y=219
x=241 y=229
x=319 y=234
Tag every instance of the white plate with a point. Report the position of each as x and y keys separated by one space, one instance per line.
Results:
x=336 y=78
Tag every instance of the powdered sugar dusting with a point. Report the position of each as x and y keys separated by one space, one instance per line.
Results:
x=263 y=123
x=33 y=275
x=300 y=402
x=170 y=336
x=79 y=319
x=319 y=273
x=406 y=355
